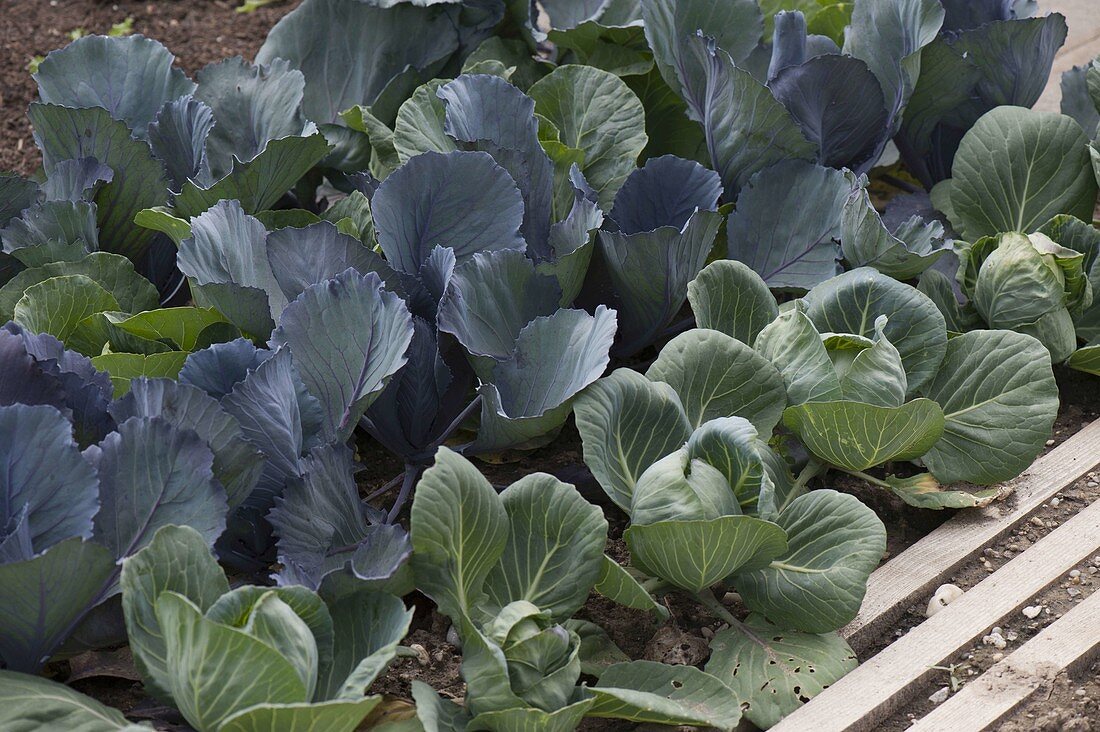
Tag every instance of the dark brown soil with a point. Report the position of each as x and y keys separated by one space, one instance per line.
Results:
x=197 y=31
x=437 y=663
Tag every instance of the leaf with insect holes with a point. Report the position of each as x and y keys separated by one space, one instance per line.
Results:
x=776 y=671
x=645 y=691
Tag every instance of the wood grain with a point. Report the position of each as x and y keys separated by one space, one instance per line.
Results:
x=1072 y=640
x=914 y=574
x=885 y=683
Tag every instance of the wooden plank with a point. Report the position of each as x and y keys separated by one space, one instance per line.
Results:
x=1071 y=641
x=885 y=683
x=1051 y=100
x=914 y=574
x=1081 y=45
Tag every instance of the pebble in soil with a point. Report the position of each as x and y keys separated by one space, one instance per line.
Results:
x=1059 y=706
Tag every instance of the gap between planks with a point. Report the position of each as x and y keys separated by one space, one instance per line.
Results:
x=885 y=683
x=1071 y=641
x=914 y=574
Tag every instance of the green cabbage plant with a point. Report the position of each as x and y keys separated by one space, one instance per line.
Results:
x=1030 y=284
x=860 y=370
x=858 y=376
x=1022 y=192
x=510 y=570
x=1041 y=284
x=252 y=658
x=722 y=508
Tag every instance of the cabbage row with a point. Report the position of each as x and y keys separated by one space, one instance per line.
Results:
x=454 y=229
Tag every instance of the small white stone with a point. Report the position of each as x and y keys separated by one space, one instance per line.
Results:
x=997 y=657
x=1074 y=573
x=1054 y=502
x=1080 y=692
x=422 y=656
x=1073 y=592
x=1032 y=611
x=944 y=596
x=996 y=640
x=452 y=637
x=996 y=630
x=940 y=696
x=1050 y=443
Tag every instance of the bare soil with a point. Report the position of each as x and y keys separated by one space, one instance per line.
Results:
x=197 y=31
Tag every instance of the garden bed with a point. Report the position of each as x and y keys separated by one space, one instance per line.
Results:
x=205 y=32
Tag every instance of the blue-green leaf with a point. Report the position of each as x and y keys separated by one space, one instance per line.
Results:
x=348 y=336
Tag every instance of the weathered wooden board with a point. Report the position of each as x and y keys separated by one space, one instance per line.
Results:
x=914 y=574
x=1082 y=44
x=1073 y=639
x=886 y=682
